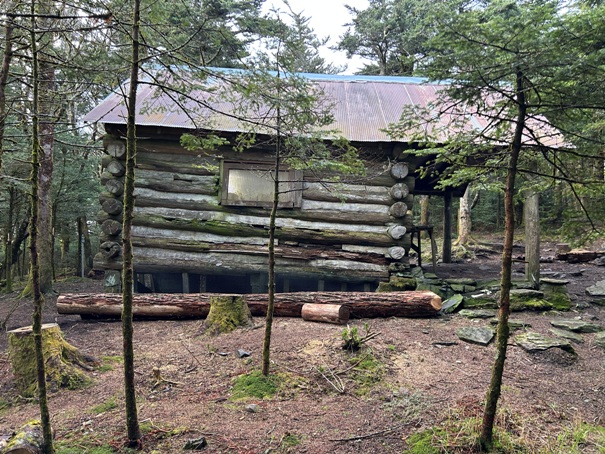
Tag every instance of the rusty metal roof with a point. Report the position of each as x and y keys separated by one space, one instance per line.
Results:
x=363 y=106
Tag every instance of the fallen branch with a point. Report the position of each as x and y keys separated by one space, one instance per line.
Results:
x=370 y=435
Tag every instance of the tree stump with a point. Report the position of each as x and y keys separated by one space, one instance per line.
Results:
x=227 y=312
x=63 y=362
x=27 y=440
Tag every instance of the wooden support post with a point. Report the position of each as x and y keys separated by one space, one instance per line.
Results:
x=186 y=286
x=447 y=226
x=321 y=284
x=259 y=283
x=531 y=218
x=286 y=286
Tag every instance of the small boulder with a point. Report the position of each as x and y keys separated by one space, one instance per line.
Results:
x=476 y=335
x=478 y=313
x=451 y=304
x=577 y=326
x=535 y=342
x=574 y=337
x=196 y=444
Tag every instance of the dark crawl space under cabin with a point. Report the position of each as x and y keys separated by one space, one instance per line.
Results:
x=201 y=219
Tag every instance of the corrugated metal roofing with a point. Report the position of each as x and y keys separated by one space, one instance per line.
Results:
x=363 y=107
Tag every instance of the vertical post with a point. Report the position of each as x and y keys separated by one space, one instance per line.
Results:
x=447 y=226
x=186 y=286
x=531 y=218
x=82 y=254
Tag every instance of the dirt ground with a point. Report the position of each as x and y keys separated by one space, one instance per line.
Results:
x=424 y=376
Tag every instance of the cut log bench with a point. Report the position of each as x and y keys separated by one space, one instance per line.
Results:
x=413 y=304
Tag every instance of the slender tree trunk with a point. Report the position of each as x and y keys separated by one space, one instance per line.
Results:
x=447 y=226
x=132 y=422
x=7 y=241
x=425 y=213
x=271 y=285
x=502 y=330
x=47 y=139
x=465 y=224
x=4 y=71
x=48 y=447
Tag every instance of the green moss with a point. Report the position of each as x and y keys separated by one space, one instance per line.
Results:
x=290 y=440
x=397 y=284
x=559 y=300
x=226 y=314
x=106 y=406
x=481 y=302
x=423 y=442
x=254 y=385
x=367 y=371
x=64 y=447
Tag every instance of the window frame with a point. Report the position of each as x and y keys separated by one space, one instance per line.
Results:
x=292 y=198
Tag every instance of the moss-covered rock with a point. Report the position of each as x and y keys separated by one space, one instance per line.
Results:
x=527 y=299
x=398 y=284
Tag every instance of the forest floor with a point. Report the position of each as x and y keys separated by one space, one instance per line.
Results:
x=415 y=376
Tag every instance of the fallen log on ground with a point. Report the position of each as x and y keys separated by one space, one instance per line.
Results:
x=197 y=305
x=327 y=313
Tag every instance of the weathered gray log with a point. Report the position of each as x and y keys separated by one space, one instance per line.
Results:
x=116 y=149
x=111 y=227
x=110 y=249
x=399 y=170
x=177 y=182
x=396 y=252
x=287 y=229
x=159 y=260
x=397 y=231
x=398 y=210
x=197 y=305
x=326 y=313
x=102 y=216
x=579 y=256
x=311 y=211
x=116 y=168
x=256 y=247
x=112 y=206
x=342 y=192
x=399 y=191
x=114 y=186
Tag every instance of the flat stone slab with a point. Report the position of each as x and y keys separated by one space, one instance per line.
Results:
x=600 y=339
x=536 y=342
x=577 y=326
x=478 y=313
x=451 y=304
x=569 y=335
x=551 y=281
x=462 y=281
x=512 y=323
x=597 y=290
x=476 y=335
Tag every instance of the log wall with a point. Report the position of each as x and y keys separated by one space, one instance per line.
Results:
x=349 y=232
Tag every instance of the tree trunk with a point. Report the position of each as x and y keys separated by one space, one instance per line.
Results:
x=502 y=329
x=327 y=313
x=425 y=212
x=191 y=305
x=464 y=218
x=447 y=226
x=63 y=363
x=36 y=289
x=132 y=421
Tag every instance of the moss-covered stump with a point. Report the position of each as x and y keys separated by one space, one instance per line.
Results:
x=27 y=440
x=227 y=312
x=63 y=362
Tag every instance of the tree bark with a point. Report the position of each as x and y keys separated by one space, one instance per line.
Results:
x=531 y=218
x=464 y=218
x=327 y=313
x=413 y=304
x=447 y=226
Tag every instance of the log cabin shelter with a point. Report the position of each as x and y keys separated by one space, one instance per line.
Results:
x=201 y=219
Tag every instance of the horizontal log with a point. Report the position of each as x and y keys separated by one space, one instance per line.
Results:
x=399 y=191
x=196 y=305
x=326 y=313
x=399 y=170
x=312 y=211
x=348 y=193
x=112 y=206
x=116 y=149
x=148 y=259
x=111 y=227
x=398 y=210
x=114 y=187
x=286 y=229
x=257 y=248
x=177 y=182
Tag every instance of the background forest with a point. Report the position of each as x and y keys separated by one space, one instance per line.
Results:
x=532 y=67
